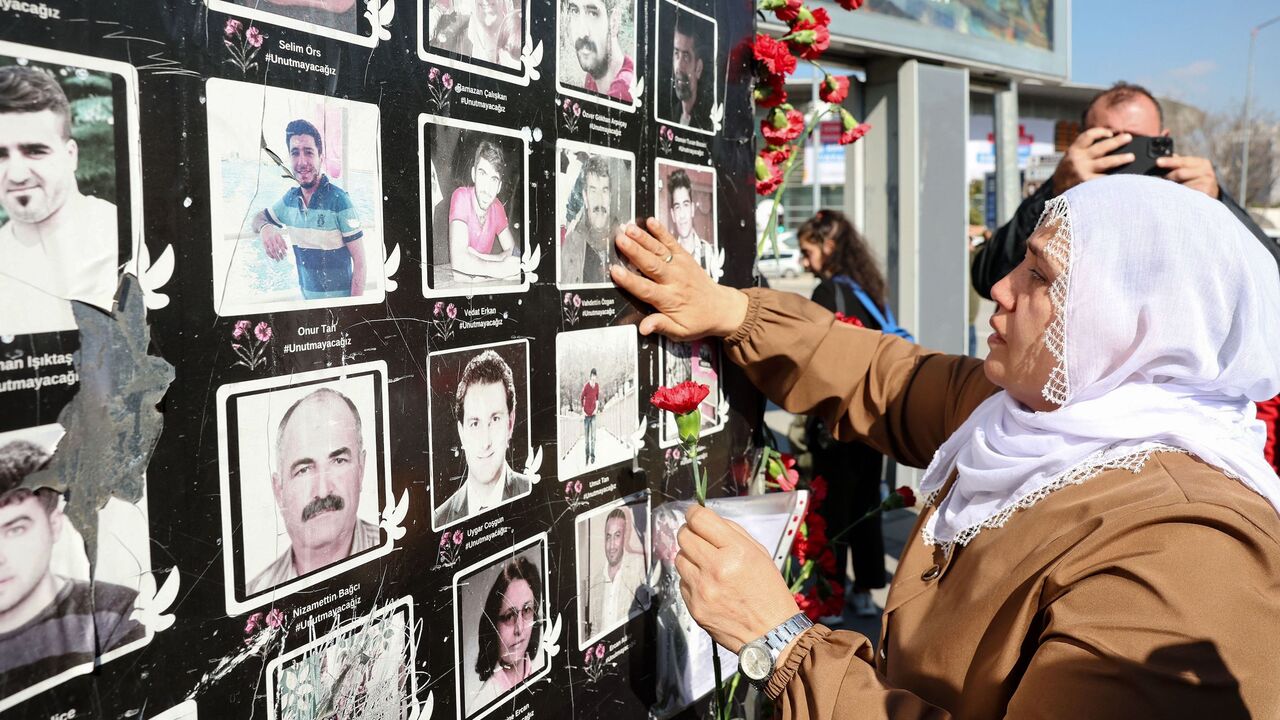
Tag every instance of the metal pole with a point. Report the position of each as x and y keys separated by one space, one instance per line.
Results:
x=815 y=145
x=1248 y=102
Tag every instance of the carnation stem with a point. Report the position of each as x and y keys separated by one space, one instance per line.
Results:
x=771 y=227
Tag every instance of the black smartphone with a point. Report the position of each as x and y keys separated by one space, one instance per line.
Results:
x=1145 y=150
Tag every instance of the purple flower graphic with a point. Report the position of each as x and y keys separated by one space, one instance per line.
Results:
x=253 y=623
x=565 y=104
x=452 y=310
x=439 y=308
x=577 y=300
x=232 y=28
x=252 y=346
x=568 y=487
x=568 y=299
x=444 y=540
x=243 y=49
x=600 y=651
x=254 y=37
x=577 y=109
x=434 y=74
x=586 y=657
x=275 y=618
x=457 y=537
x=447 y=81
x=577 y=486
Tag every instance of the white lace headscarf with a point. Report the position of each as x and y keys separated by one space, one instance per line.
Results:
x=1166 y=330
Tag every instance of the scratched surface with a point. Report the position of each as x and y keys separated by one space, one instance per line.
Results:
x=145 y=395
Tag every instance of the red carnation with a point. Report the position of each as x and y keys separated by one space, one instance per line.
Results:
x=850 y=4
x=834 y=89
x=818 y=491
x=768 y=176
x=849 y=137
x=770 y=91
x=849 y=320
x=809 y=39
x=908 y=497
x=788 y=11
x=809 y=604
x=821 y=17
x=774 y=55
x=776 y=155
x=780 y=128
x=681 y=399
x=827 y=561
x=834 y=604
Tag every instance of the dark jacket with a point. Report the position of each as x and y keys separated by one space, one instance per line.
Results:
x=1002 y=253
x=455 y=508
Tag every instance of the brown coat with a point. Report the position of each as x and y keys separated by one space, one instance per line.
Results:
x=1148 y=595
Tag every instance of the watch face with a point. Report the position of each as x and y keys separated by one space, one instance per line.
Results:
x=756 y=661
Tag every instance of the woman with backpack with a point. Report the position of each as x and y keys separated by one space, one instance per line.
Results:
x=851 y=285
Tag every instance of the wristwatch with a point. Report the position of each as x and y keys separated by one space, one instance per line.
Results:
x=757 y=658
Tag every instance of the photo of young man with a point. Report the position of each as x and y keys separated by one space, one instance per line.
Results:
x=597 y=47
x=320 y=459
x=49 y=623
x=595 y=190
x=320 y=220
x=697 y=361
x=686 y=66
x=296 y=210
x=597 y=375
x=612 y=568
x=490 y=31
x=59 y=243
x=485 y=411
x=474 y=229
x=687 y=193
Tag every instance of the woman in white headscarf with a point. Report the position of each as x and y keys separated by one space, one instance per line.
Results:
x=1101 y=536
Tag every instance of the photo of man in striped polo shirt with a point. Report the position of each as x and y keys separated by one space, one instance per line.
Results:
x=48 y=623
x=318 y=219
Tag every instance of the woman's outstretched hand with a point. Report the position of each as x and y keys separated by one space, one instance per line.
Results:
x=689 y=304
x=729 y=581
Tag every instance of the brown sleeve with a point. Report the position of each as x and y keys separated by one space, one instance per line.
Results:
x=894 y=395
x=1173 y=613
x=829 y=675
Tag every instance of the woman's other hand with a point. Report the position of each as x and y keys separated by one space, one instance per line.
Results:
x=689 y=303
x=729 y=581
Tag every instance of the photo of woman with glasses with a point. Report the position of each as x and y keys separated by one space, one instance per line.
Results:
x=500 y=632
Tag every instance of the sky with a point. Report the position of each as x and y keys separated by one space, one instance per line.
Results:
x=1196 y=52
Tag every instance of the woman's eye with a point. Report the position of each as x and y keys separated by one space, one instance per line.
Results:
x=1035 y=274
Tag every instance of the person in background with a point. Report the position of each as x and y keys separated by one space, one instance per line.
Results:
x=833 y=250
x=1111 y=120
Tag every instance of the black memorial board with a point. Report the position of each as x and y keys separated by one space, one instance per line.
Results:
x=305 y=317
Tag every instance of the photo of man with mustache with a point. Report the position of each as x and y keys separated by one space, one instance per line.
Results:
x=320 y=460
x=318 y=219
x=593 y=28
x=689 y=72
x=585 y=254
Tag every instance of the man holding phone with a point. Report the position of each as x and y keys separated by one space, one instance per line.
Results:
x=1112 y=120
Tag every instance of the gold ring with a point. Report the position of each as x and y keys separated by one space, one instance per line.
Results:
x=668 y=258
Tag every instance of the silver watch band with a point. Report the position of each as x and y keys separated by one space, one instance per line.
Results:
x=778 y=637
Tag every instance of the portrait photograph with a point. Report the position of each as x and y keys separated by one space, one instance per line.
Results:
x=612 y=566
x=697 y=361
x=687 y=81
x=594 y=198
x=363 y=670
x=685 y=202
x=597 y=398
x=596 y=51
x=479 y=430
x=338 y=19
x=68 y=131
x=474 y=196
x=501 y=611
x=46 y=578
x=486 y=36
x=305 y=478
x=295 y=200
